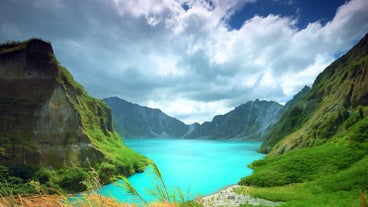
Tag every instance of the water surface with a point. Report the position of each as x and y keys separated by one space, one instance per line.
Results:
x=199 y=166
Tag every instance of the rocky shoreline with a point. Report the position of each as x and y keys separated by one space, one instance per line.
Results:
x=228 y=197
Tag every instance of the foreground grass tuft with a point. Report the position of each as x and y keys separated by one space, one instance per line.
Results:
x=161 y=192
x=93 y=198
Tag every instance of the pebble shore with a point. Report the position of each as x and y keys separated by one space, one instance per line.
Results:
x=227 y=197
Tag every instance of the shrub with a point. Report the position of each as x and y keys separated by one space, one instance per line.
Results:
x=71 y=179
x=21 y=171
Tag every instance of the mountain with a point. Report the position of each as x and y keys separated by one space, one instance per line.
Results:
x=336 y=94
x=317 y=152
x=250 y=121
x=247 y=121
x=297 y=97
x=49 y=122
x=135 y=121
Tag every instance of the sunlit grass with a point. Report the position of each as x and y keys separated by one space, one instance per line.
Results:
x=47 y=197
x=308 y=194
x=326 y=185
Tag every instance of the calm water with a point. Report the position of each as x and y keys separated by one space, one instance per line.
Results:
x=199 y=166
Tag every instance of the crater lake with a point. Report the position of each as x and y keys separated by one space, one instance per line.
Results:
x=196 y=167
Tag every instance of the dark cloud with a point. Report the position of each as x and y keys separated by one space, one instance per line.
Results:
x=184 y=60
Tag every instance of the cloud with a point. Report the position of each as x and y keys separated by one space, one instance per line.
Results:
x=181 y=55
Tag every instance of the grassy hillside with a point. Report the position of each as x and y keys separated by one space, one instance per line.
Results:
x=332 y=174
x=318 y=151
x=336 y=93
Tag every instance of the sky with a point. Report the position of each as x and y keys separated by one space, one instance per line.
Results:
x=193 y=59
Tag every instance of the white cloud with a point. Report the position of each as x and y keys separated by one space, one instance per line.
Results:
x=292 y=82
x=185 y=62
x=189 y=111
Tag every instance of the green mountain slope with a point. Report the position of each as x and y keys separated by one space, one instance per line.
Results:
x=48 y=121
x=318 y=150
x=336 y=94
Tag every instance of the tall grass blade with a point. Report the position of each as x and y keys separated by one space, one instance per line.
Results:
x=159 y=175
x=157 y=193
x=363 y=199
x=131 y=190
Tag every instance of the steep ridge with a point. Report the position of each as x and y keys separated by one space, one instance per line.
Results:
x=247 y=121
x=318 y=150
x=336 y=94
x=297 y=97
x=135 y=121
x=47 y=120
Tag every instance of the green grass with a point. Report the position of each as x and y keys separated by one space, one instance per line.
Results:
x=301 y=165
x=341 y=189
x=331 y=174
x=308 y=194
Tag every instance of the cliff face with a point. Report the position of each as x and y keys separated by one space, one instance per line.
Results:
x=47 y=119
x=337 y=94
x=135 y=121
x=247 y=121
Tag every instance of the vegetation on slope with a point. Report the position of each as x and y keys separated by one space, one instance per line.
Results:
x=318 y=151
x=99 y=128
x=332 y=174
x=23 y=94
x=336 y=93
x=322 y=140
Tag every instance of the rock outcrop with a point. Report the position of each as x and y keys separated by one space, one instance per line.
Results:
x=47 y=119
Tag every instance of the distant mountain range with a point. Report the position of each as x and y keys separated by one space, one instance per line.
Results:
x=133 y=120
x=249 y=121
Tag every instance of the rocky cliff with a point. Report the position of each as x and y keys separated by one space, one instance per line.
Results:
x=135 y=121
x=248 y=121
x=48 y=120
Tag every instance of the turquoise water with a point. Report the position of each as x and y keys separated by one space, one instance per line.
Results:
x=199 y=166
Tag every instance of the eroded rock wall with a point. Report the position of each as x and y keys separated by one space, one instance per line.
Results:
x=38 y=124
